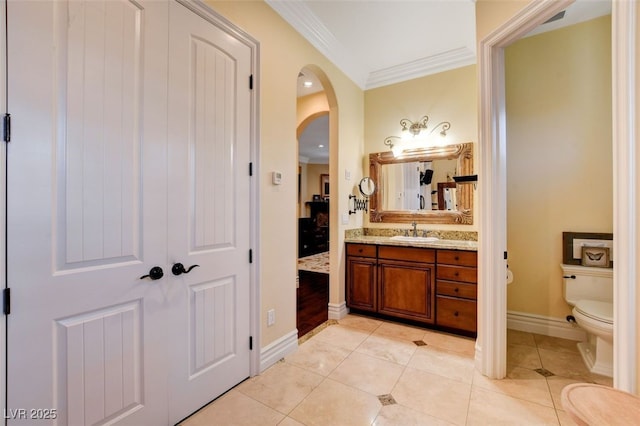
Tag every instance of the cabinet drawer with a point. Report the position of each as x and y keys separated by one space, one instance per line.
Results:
x=457 y=273
x=454 y=289
x=458 y=257
x=456 y=313
x=412 y=254
x=362 y=250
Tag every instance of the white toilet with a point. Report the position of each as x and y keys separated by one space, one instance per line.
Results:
x=590 y=291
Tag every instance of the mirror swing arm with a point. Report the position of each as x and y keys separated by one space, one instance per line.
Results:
x=367 y=187
x=464 y=215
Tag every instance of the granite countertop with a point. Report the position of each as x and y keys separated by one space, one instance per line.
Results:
x=439 y=244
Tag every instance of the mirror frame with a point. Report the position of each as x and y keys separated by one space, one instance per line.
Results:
x=464 y=215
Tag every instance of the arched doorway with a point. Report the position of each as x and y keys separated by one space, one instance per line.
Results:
x=315 y=217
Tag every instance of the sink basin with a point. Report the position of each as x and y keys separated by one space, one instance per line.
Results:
x=415 y=239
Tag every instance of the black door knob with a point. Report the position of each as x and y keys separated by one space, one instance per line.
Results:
x=155 y=273
x=178 y=268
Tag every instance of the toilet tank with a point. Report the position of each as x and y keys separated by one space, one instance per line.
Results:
x=587 y=283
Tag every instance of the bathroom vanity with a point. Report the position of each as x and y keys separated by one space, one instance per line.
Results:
x=430 y=283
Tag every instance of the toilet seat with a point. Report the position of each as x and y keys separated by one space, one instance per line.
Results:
x=596 y=310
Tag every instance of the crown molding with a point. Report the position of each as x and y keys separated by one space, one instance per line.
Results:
x=303 y=20
x=445 y=61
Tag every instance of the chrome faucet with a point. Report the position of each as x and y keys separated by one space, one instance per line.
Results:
x=415 y=228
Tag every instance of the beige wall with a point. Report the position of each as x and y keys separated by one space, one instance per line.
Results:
x=446 y=96
x=559 y=155
x=313 y=180
x=283 y=53
x=491 y=14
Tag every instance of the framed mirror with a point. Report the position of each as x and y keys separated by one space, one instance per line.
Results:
x=418 y=185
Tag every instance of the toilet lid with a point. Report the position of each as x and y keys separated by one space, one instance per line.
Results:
x=601 y=311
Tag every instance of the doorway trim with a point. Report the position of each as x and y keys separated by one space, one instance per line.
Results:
x=492 y=346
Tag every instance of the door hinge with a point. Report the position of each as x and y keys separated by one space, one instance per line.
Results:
x=6 y=301
x=250 y=255
x=505 y=255
x=251 y=82
x=250 y=343
x=251 y=169
x=6 y=134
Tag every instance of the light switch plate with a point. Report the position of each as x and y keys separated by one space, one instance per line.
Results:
x=276 y=178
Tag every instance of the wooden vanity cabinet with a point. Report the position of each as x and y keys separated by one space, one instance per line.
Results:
x=362 y=275
x=456 y=289
x=406 y=283
x=430 y=286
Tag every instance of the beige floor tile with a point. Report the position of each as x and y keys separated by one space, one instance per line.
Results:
x=363 y=323
x=517 y=337
x=282 y=386
x=388 y=348
x=318 y=357
x=288 y=421
x=528 y=385
x=333 y=403
x=492 y=408
x=444 y=363
x=523 y=356
x=396 y=415
x=556 y=384
x=434 y=395
x=556 y=344
x=460 y=344
x=565 y=364
x=235 y=409
x=400 y=331
x=367 y=373
x=565 y=419
x=342 y=336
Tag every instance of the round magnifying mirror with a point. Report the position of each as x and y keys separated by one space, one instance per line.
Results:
x=367 y=186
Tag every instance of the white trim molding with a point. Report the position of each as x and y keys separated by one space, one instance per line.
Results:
x=444 y=61
x=547 y=326
x=302 y=18
x=625 y=186
x=278 y=349
x=338 y=310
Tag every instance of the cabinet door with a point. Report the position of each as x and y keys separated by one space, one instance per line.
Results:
x=361 y=283
x=406 y=290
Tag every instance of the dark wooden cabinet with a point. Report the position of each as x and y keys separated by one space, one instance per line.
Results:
x=405 y=282
x=430 y=286
x=313 y=231
x=456 y=289
x=362 y=277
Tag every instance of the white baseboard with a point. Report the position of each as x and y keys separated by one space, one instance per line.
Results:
x=278 y=349
x=338 y=310
x=547 y=326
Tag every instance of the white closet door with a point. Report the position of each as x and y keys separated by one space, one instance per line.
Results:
x=87 y=211
x=209 y=217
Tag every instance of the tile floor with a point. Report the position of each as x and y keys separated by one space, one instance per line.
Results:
x=363 y=371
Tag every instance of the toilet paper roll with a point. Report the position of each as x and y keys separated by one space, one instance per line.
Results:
x=509 y=276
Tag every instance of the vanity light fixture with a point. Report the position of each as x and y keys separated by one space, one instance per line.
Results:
x=414 y=134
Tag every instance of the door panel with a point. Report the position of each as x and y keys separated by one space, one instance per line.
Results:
x=98 y=138
x=99 y=95
x=87 y=210
x=209 y=209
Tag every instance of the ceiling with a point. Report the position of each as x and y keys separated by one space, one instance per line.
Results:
x=381 y=42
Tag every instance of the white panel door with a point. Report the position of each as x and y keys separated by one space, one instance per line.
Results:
x=209 y=210
x=87 y=213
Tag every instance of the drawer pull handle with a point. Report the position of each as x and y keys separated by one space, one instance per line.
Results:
x=359 y=250
x=456 y=289
x=455 y=314
x=456 y=273
x=456 y=258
